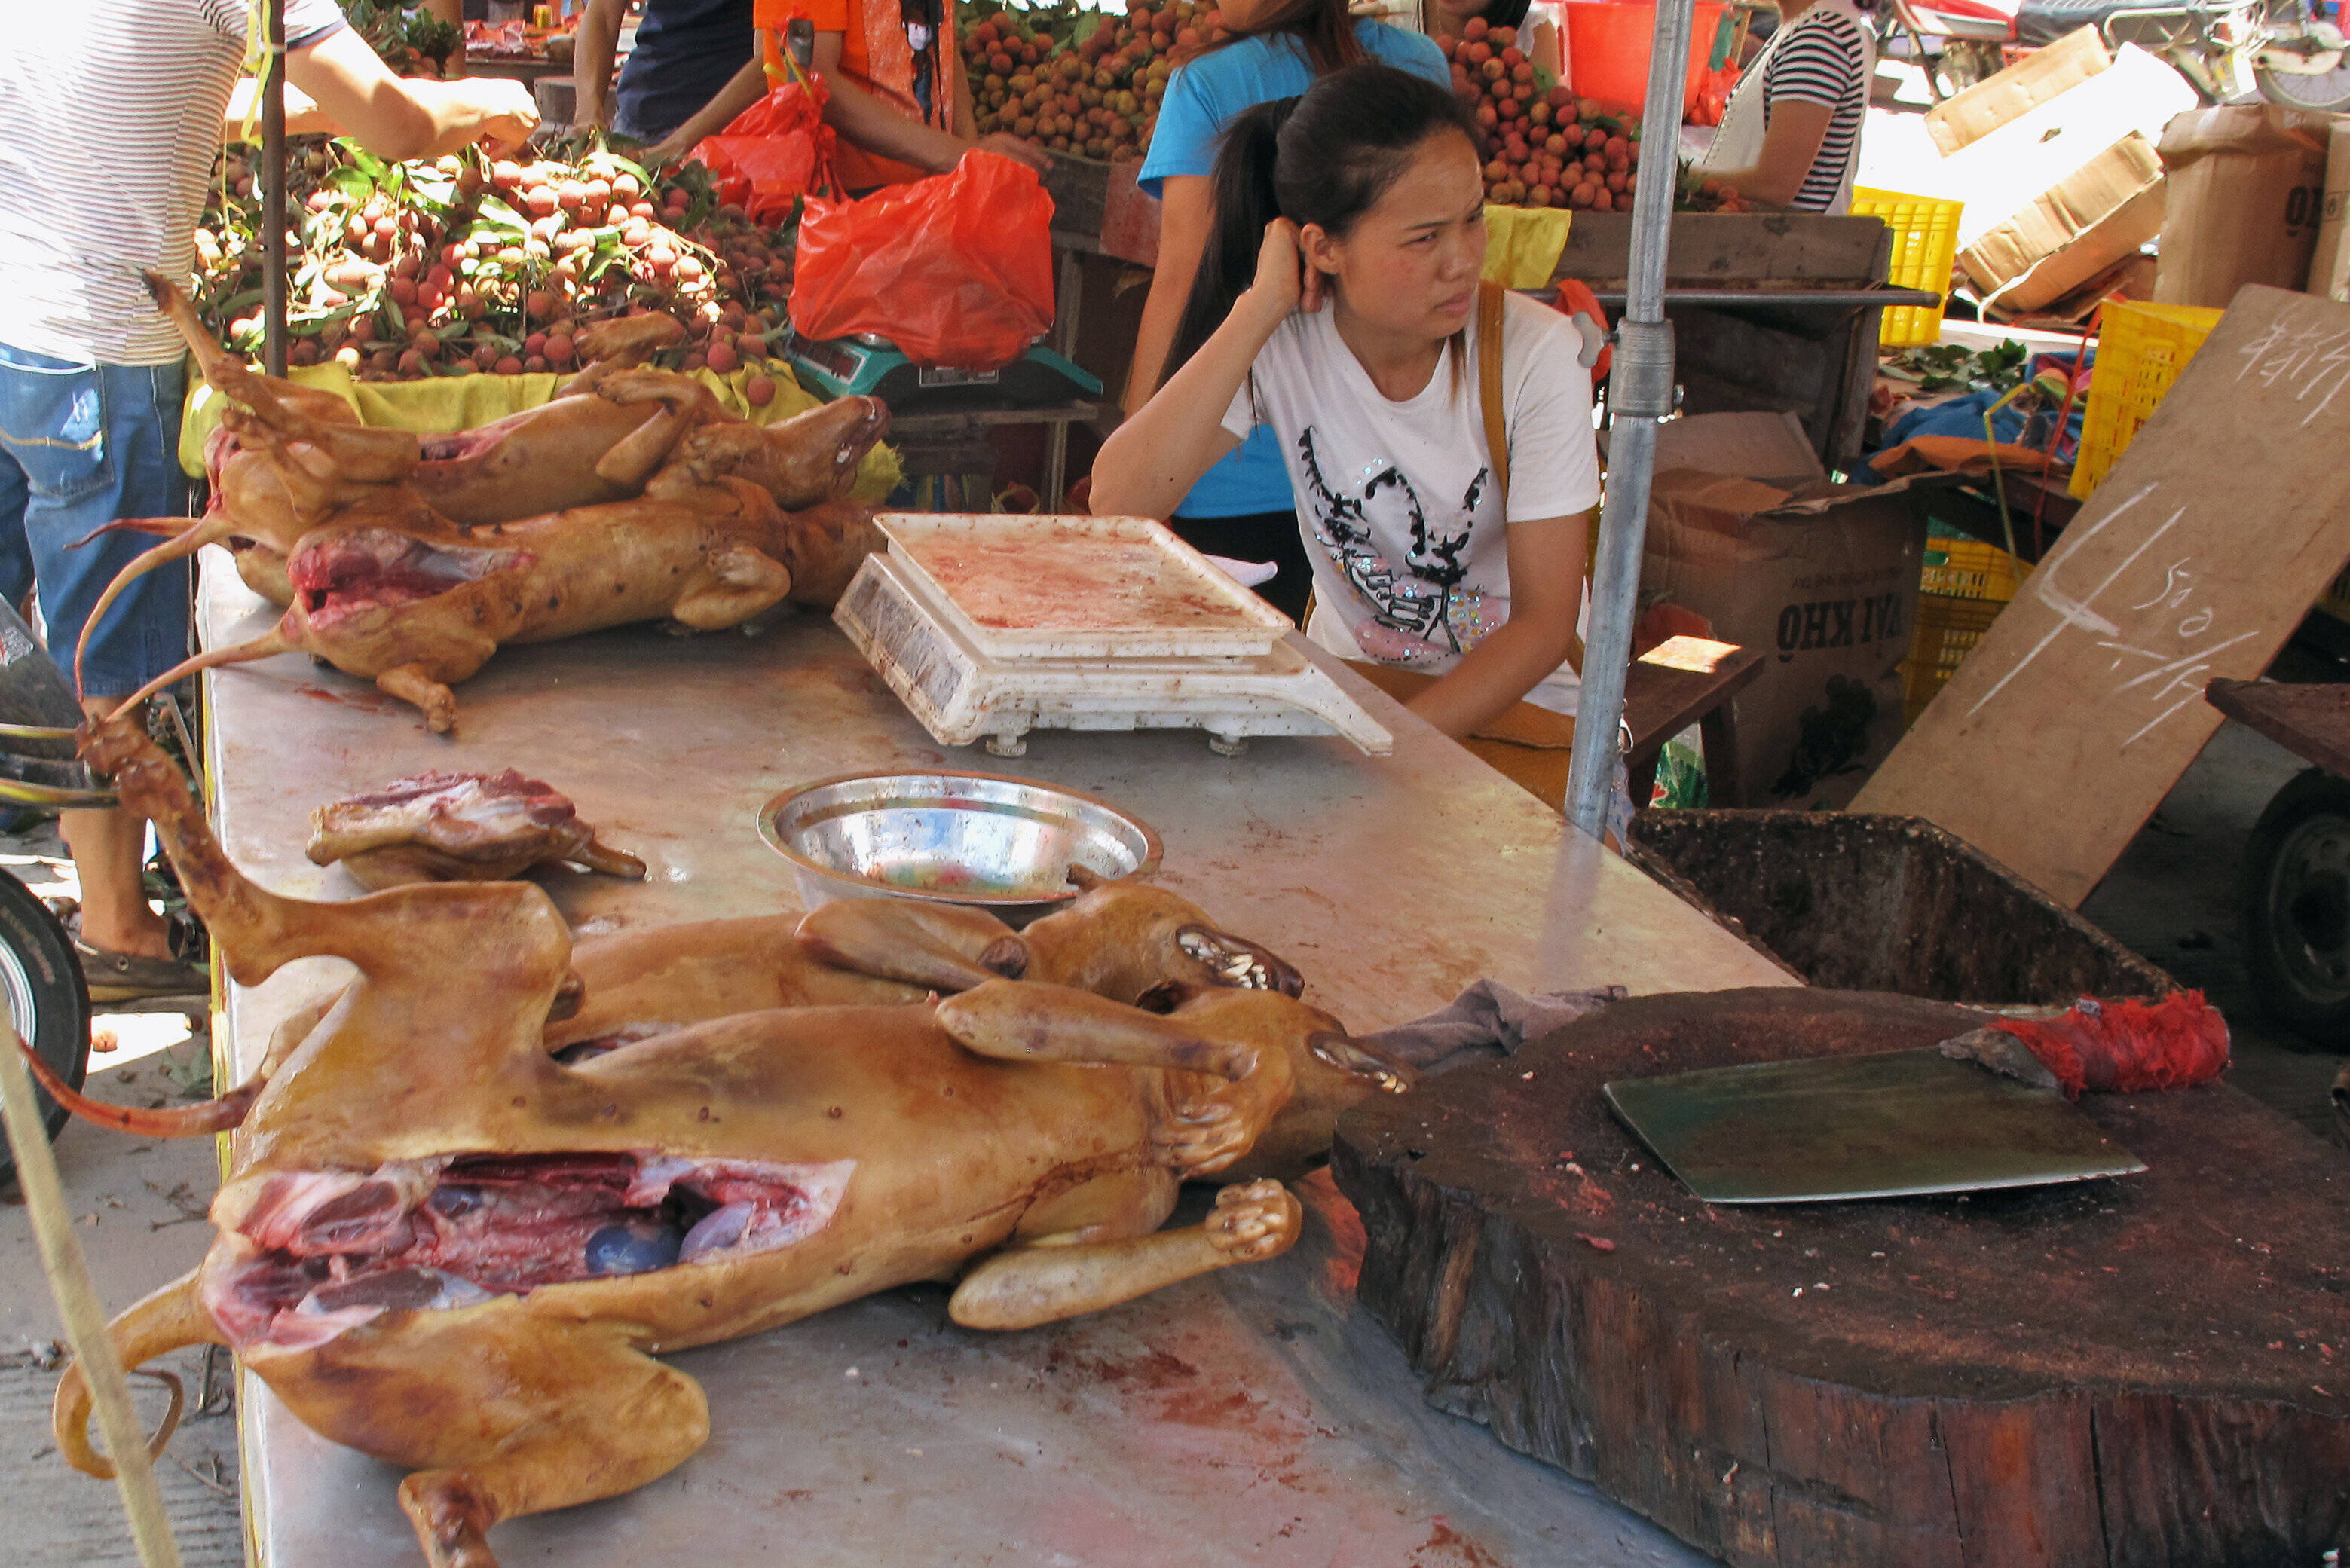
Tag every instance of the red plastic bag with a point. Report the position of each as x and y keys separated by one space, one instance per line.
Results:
x=956 y=270
x=773 y=152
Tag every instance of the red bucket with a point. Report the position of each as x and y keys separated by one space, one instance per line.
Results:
x=1607 y=44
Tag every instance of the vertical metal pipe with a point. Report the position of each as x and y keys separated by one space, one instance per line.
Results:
x=273 y=193
x=1639 y=395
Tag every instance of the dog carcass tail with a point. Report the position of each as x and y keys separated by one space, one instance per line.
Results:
x=185 y=541
x=213 y=1116
x=273 y=641
x=171 y=1319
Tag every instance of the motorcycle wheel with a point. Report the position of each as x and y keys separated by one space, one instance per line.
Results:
x=2296 y=908
x=2327 y=92
x=42 y=983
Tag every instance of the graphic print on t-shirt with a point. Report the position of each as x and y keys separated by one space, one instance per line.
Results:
x=1420 y=610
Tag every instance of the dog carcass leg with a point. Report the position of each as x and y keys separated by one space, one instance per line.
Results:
x=1046 y=1282
x=410 y=684
x=944 y=950
x=736 y=582
x=638 y=1419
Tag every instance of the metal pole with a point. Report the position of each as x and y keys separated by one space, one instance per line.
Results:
x=1639 y=395
x=273 y=193
x=77 y=1306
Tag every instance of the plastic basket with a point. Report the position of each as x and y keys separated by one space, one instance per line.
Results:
x=1925 y=247
x=1960 y=591
x=2141 y=348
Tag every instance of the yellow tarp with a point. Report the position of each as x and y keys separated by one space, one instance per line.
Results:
x=1522 y=244
x=462 y=402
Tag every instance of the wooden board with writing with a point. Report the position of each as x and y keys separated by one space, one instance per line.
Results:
x=2214 y=534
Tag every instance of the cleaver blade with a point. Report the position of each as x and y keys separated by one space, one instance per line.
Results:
x=1889 y=1125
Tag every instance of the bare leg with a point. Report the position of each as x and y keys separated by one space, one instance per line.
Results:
x=108 y=853
x=1046 y=1282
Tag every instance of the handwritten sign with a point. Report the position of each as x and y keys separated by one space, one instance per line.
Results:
x=2218 y=529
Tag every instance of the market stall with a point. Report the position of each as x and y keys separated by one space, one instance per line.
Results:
x=1250 y=1413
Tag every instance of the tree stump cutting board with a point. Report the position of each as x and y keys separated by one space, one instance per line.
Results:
x=2148 y=1371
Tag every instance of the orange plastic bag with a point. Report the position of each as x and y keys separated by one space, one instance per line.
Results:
x=956 y=270
x=773 y=152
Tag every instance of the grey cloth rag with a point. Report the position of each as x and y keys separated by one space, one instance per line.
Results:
x=1486 y=1023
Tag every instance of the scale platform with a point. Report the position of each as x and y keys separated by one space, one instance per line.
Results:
x=987 y=627
x=867 y=366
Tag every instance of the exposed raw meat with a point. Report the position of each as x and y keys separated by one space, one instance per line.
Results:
x=451 y=826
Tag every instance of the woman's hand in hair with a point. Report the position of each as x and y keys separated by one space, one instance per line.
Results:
x=1285 y=282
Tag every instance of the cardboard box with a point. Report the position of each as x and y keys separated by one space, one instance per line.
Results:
x=2329 y=263
x=2005 y=172
x=1746 y=529
x=2039 y=75
x=2080 y=226
x=2247 y=189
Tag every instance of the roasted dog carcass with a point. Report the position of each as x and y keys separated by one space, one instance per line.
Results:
x=444 y=1247
x=458 y=827
x=417 y=616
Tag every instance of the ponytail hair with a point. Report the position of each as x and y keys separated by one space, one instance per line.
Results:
x=1324 y=159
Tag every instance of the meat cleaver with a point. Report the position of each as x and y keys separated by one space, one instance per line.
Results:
x=1975 y=1112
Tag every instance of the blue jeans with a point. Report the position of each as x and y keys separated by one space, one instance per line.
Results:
x=81 y=446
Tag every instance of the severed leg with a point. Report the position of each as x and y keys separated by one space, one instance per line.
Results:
x=1045 y=1282
x=598 y=855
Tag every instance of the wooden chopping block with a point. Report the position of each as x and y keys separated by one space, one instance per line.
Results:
x=2151 y=1371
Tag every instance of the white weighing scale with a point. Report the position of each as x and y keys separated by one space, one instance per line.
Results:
x=988 y=626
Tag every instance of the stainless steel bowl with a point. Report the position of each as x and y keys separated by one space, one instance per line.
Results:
x=1002 y=845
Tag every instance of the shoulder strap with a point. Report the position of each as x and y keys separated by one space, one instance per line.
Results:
x=1490 y=303
x=1490 y=297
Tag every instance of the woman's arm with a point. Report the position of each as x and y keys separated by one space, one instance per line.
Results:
x=1186 y=210
x=1546 y=557
x=865 y=119
x=1788 y=148
x=591 y=58
x=401 y=118
x=1150 y=462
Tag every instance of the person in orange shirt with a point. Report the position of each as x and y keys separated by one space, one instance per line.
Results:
x=898 y=96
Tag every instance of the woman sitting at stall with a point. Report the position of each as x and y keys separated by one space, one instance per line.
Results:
x=1243 y=507
x=1335 y=303
x=1791 y=135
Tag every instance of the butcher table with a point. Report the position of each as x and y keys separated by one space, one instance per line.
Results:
x=1250 y=1416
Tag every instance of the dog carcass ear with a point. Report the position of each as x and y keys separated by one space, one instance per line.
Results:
x=1020 y=1021
x=945 y=949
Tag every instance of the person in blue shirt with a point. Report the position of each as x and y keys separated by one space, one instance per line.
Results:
x=1243 y=507
x=686 y=51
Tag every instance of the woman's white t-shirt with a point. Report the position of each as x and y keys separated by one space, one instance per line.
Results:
x=1397 y=500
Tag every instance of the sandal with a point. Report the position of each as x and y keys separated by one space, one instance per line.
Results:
x=124 y=977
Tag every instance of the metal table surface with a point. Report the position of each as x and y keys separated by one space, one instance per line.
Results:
x=1252 y=1417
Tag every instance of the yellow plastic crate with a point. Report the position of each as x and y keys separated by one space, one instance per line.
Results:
x=2141 y=348
x=1962 y=589
x=1925 y=244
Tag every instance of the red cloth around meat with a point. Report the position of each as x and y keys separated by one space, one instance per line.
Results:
x=2122 y=1047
